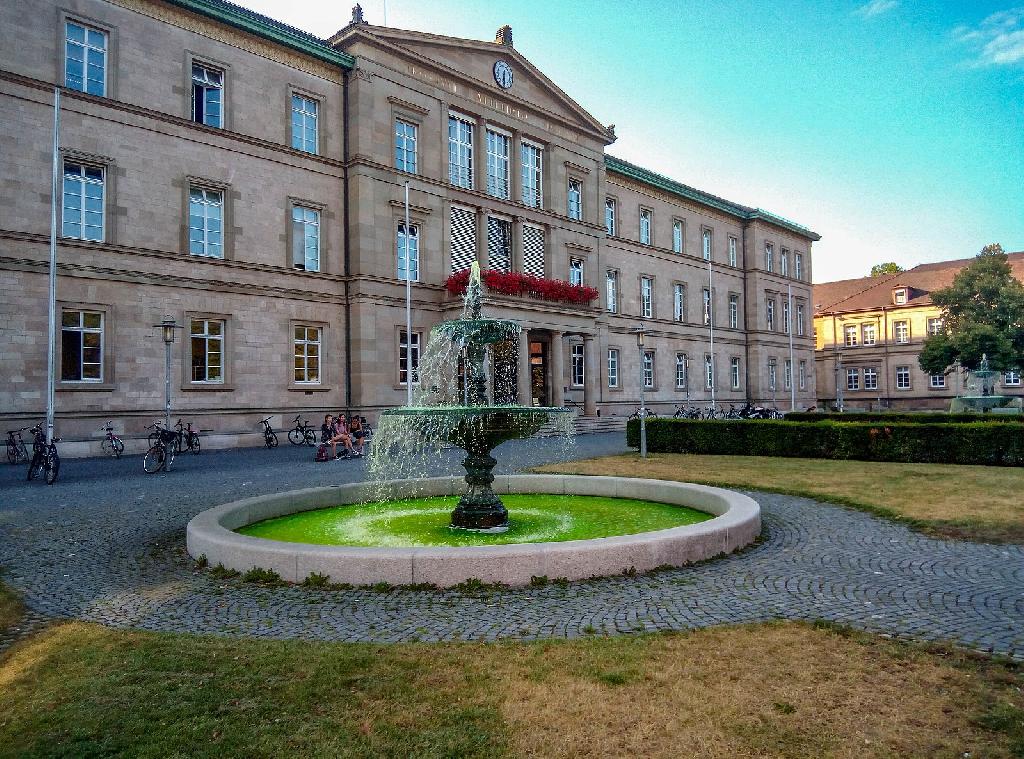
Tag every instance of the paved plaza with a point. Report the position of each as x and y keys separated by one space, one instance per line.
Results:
x=106 y=544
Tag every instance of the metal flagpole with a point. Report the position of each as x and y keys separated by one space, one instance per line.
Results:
x=792 y=363
x=711 y=330
x=408 y=301
x=51 y=338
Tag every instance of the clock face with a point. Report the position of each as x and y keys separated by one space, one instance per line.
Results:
x=503 y=75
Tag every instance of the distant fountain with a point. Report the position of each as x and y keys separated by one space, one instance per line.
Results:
x=466 y=398
x=981 y=395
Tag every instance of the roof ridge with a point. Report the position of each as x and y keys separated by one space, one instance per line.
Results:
x=885 y=278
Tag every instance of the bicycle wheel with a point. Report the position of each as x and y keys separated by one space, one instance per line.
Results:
x=12 y=452
x=154 y=459
x=193 y=444
x=296 y=436
x=118 y=447
x=35 y=466
x=310 y=437
x=51 y=467
x=272 y=440
x=107 y=446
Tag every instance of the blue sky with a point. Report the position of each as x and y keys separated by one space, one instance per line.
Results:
x=893 y=128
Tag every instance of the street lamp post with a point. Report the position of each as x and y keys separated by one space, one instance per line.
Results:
x=643 y=408
x=167 y=326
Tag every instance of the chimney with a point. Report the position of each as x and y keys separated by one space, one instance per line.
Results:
x=504 y=36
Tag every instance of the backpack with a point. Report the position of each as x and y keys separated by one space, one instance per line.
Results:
x=321 y=452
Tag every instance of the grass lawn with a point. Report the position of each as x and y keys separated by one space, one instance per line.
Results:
x=981 y=503
x=10 y=608
x=777 y=689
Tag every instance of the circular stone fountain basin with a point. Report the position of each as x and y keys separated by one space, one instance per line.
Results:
x=735 y=522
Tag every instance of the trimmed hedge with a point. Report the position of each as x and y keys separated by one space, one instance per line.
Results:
x=894 y=417
x=977 y=443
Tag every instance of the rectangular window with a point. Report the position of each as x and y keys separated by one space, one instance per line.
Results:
x=613 y=367
x=611 y=282
x=1011 y=378
x=305 y=134
x=533 y=250
x=772 y=375
x=498 y=164
x=609 y=216
x=902 y=331
x=800 y=319
x=900 y=297
x=205 y=222
x=871 y=378
x=902 y=377
x=784 y=262
x=677 y=236
x=648 y=369
x=732 y=252
x=787 y=374
x=646 y=296
x=934 y=326
x=577 y=364
x=853 y=379
x=798 y=265
x=208 y=96
x=403 y=348
x=706 y=244
x=576 y=271
x=463 y=238
x=770 y=314
x=499 y=244
x=785 y=316
x=460 y=152
x=679 y=302
x=305 y=238
x=850 y=335
x=405 y=146
x=207 y=343
x=307 y=355
x=734 y=311
x=937 y=380
x=81 y=346
x=803 y=375
x=532 y=159
x=709 y=371
x=867 y=334
x=83 y=202
x=769 y=257
x=682 y=371
x=408 y=247
x=85 y=59
x=734 y=373
x=645 y=226
x=706 y=293
x=574 y=199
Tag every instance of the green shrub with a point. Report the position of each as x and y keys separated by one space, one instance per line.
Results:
x=974 y=443
x=262 y=576
x=895 y=417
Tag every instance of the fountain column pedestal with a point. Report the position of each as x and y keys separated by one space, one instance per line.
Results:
x=479 y=507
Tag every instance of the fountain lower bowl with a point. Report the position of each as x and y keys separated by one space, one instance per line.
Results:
x=736 y=523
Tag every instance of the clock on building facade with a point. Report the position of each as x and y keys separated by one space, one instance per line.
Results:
x=503 y=75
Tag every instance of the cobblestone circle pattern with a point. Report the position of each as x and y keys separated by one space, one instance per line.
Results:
x=106 y=544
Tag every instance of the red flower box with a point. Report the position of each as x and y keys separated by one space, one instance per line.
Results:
x=514 y=283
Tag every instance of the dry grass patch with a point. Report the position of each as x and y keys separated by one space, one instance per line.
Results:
x=971 y=502
x=10 y=608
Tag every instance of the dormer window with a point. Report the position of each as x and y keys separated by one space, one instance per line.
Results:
x=899 y=296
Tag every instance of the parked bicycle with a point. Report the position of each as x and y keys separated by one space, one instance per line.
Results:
x=162 y=452
x=16 y=451
x=649 y=413
x=112 y=445
x=45 y=460
x=269 y=436
x=188 y=440
x=686 y=412
x=302 y=433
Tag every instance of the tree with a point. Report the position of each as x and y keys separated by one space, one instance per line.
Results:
x=881 y=270
x=982 y=313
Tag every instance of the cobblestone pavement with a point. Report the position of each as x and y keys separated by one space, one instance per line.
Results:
x=106 y=544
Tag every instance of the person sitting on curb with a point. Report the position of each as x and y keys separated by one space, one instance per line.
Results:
x=340 y=435
x=356 y=431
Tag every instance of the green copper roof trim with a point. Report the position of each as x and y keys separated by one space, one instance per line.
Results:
x=268 y=28
x=640 y=174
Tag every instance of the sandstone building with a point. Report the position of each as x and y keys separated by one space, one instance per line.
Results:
x=248 y=179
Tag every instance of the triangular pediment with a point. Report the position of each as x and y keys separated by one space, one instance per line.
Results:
x=472 y=62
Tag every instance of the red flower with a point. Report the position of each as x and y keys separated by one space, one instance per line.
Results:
x=515 y=283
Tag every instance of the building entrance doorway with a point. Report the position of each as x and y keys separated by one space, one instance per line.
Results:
x=540 y=391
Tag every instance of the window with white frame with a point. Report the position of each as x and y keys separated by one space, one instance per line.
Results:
x=460 y=151
x=576 y=271
x=85 y=59
x=867 y=334
x=645 y=226
x=734 y=373
x=902 y=331
x=208 y=96
x=706 y=295
x=677 y=236
x=305 y=132
x=770 y=313
x=405 y=358
x=498 y=164
x=83 y=202
x=682 y=371
x=784 y=262
x=769 y=257
x=577 y=372
x=785 y=316
x=408 y=249
x=732 y=252
x=574 y=199
x=207 y=348
x=902 y=377
x=1012 y=378
x=734 y=311
x=706 y=244
x=899 y=296
x=679 y=302
x=305 y=238
x=611 y=282
x=709 y=371
x=934 y=326
x=499 y=244
x=205 y=222
x=531 y=157
x=81 y=346
x=772 y=375
x=646 y=297
x=870 y=378
x=613 y=367
x=406 y=135
x=798 y=265
x=648 y=369
x=853 y=379
x=609 y=216
x=307 y=355
x=850 y=334
x=800 y=328
x=787 y=374
x=802 y=374
x=937 y=380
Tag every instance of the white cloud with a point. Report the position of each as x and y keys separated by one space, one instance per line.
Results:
x=876 y=8
x=998 y=40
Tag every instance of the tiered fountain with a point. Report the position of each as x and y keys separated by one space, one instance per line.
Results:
x=981 y=396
